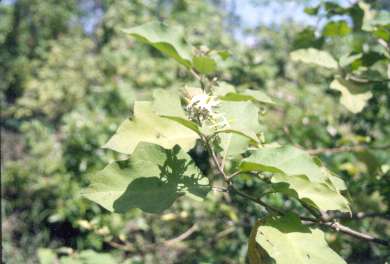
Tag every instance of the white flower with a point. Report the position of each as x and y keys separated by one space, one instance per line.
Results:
x=203 y=104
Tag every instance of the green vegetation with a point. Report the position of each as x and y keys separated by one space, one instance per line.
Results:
x=214 y=151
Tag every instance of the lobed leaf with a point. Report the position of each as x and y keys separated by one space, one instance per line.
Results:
x=319 y=195
x=242 y=126
x=298 y=175
x=287 y=240
x=167 y=104
x=168 y=40
x=147 y=126
x=151 y=180
x=314 y=56
x=223 y=88
x=351 y=96
x=286 y=159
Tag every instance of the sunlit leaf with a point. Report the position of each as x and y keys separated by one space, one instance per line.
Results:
x=336 y=29
x=319 y=195
x=287 y=240
x=242 y=126
x=152 y=179
x=167 y=103
x=223 y=88
x=286 y=159
x=351 y=96
x=147 y=126
x=204 y=64
x=168 y=40
x=314 y=56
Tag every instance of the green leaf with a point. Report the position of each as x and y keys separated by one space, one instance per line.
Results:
x=349 y=59
x=287 y=241
x=373 y=20
x=336 y=29
x=306 y=39
x=314 y=56
x=255 y=253
x=92 y=257
x=319 y=195
x=243 y=125
x=253 y=95
x=242 y=117
x=167 y=40
x=204 y=64
x=286 y=159
x=338 y=183
x=185 y=122
x=224 y=54
x=297 y=175
x=223 y=88
x=312 y=10
x=147 y=126
x=46 y=256
x=167 y=103
x=152 y=179
x=352 y=96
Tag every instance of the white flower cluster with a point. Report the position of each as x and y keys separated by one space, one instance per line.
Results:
x=205 y=107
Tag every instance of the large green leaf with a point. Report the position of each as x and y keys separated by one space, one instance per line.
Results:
x=287 y=241
x=242 y=117
x=147 y=126
x=223 y=88
x=298 y=175
x=242 y=126
x=314 y=56
x=152 y=179
x=167 y=104
x=168 y=40
x=286 y=159
x=319 y=195
x=352 y=97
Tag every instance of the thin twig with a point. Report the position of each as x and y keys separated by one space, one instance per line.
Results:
x=255 y=200
x=331 y=223
x=233 y=174
x=196 y=75
x=361 y=215
x=213 y=156
x=183 y=236
x=346 y=230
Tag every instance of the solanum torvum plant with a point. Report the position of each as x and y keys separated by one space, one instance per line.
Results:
x=226 y=123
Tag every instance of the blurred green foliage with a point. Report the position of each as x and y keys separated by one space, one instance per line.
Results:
x=64 y=91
